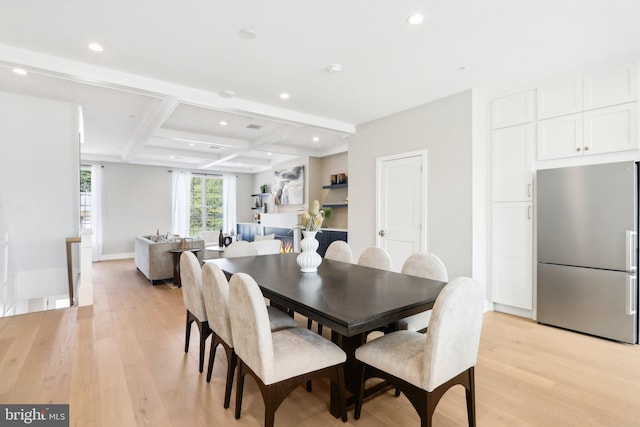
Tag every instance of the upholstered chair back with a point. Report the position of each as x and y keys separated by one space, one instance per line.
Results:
x=453 y=336
x=250 y=326
x=339 y=251
x=427 y=265
x=215 y=290
x=190 y=276
x=238 y=249
x=375 y=257
x=266 y=247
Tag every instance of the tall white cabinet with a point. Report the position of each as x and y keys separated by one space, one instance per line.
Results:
x=512 y=192
x=574 y=120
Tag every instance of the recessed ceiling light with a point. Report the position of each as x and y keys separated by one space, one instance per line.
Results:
x=248 y=33
x=284 y=95
x=223 y=123
x=95 y=47
x=415 y=19
x=334 y=68
x=227 y=93
x=172 y=156
x=20 y=71
x=269 y=154
x=315 y=139
x=192 y=144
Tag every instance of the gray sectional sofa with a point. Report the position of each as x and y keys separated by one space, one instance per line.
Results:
x=154 y=260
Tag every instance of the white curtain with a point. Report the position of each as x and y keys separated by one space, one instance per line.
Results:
x=96 y=211
x=180 y=209
x=229 y=203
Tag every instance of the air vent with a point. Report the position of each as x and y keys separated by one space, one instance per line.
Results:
x=254 y=127
x=213 y=147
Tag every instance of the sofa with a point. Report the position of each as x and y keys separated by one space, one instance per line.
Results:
x=153 y=259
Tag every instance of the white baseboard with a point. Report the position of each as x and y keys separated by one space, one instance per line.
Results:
x=111 y=257
x=520 y=312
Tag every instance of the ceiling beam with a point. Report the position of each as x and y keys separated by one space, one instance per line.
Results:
x=200 y=137
x=100 y=76
x=150 y=124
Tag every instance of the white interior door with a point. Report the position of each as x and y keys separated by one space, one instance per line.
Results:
x=401 y=205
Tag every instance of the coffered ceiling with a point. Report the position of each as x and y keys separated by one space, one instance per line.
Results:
x=184 y=84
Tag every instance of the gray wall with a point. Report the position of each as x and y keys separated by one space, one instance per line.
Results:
x=137 y=201
x=444 y=129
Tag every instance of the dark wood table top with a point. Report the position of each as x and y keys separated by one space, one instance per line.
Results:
x=348 y=298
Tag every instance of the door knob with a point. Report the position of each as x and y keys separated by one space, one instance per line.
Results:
x=381 y=233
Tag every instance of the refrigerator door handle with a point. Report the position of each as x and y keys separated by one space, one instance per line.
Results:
x=630 y=296
x=631 y=250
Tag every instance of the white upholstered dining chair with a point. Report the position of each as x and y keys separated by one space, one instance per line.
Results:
x=191 y=278
x=429 y=266
x=215 y=291
x=278 y=361
x=375 y=257
x=239 y=248
x=339 y=251
x=425 y=366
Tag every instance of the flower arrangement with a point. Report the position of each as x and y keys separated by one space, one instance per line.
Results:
x=312 y=218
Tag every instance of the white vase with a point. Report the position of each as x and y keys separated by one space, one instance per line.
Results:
x=309 y=260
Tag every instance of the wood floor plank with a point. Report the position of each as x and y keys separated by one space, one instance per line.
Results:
x=122 y=362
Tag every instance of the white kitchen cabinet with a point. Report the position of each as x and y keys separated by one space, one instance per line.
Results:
x=611 y=129
x=560 y=137
x=613 y=86
x=512 y=149
x=559 y=98
x=513 y=110
x=513 y=254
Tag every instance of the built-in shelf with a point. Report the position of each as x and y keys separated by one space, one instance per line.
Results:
x=329 y=187
x=261 y=195
x=335 y=205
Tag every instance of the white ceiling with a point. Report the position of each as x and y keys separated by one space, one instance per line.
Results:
x=153 y=95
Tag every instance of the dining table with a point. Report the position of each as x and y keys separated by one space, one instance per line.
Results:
x=350 y=299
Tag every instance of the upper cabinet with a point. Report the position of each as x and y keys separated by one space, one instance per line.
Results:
x=513 y=110
x=560 y=98
x=593 y=114
x=611 y=87
x=611 y=129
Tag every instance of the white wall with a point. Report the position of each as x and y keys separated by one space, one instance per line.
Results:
x=39 y=182
x=444 y=128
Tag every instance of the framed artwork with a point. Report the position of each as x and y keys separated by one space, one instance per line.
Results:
x=288 y=186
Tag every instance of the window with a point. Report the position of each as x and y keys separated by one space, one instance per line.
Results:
x=85 y=197
x=206 y=204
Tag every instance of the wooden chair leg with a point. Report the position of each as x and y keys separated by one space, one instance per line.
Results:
x=471 y=398
x=212 y=355
x=239 y=387
x=187 y=333
x=205 y=331
x=232 y=360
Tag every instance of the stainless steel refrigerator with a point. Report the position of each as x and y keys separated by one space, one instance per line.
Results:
x=588 y=249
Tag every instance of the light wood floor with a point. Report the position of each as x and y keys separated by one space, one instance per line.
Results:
x=121 y=363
